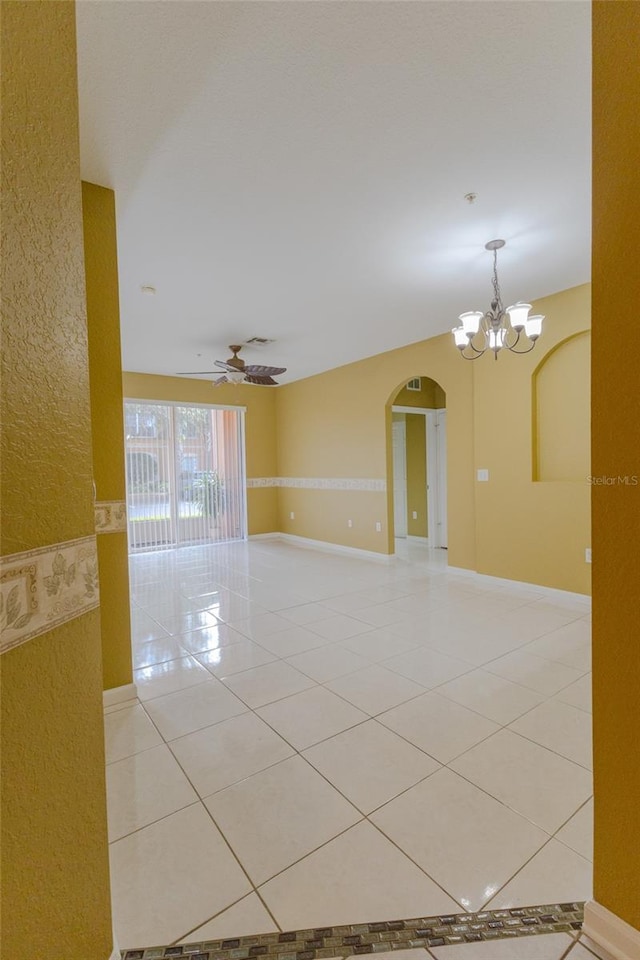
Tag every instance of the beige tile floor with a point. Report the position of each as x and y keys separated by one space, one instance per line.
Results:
x=321 y=739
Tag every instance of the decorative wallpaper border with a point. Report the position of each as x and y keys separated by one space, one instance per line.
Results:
x=41 y=589
x=319 y=483
x=111 y=516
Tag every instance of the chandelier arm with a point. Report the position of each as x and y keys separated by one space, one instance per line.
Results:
x=520 y=352
x=478 y=353
x=515 y=342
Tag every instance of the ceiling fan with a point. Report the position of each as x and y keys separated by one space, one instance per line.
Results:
x=237 y=371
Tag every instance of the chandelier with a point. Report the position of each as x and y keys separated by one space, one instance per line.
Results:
x=497 y=329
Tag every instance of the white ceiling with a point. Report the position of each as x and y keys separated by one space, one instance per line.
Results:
x=297 y=170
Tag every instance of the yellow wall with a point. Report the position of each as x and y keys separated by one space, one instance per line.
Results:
x=526 y=530
x=615 y=442
x=416 y=474
x=55 y=881
x=105 y=369
x=338 y=424
x=260 y=430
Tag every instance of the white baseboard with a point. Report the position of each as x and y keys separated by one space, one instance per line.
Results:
x=263 y=536
x=423 y=540
x=610 y=932
x=549 y=592
x=128 y=691
x=326 y=546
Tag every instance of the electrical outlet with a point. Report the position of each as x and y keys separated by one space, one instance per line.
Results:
x=378 y=526
x=587 y=555
x=349 y=523
x=292 y=515
x=415 y=514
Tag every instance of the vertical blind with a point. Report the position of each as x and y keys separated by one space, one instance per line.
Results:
x=185 y=474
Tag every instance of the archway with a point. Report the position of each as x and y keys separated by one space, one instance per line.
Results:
x=417 y=465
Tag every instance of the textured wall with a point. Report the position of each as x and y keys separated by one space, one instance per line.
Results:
x=615 y=444
x=55 y=882
x=44 y=342
x=105 y=367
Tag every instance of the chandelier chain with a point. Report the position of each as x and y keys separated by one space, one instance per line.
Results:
x=496 y=285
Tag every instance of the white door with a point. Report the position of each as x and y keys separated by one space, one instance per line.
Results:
x=399 y=436
x=437 y=477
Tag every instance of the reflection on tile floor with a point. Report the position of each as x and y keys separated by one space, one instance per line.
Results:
x=321 y=740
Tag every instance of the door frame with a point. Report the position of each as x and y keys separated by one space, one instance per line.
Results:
x=437 y=477
x=238 y=408
x=436 y=492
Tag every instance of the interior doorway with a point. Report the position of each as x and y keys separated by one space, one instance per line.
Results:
x=419 y=458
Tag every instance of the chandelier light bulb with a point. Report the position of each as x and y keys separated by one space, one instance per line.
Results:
x=460 y=337
x=496 y=339
x=533 y=326
x=518 y=314
x=471 y=322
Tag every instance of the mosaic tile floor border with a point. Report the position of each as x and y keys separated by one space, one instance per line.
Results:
x=361 y=938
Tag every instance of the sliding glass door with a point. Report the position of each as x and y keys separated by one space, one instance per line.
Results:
x=185 y=473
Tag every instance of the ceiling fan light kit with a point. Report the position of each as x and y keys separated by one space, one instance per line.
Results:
x=499 y=328
x=237 y=371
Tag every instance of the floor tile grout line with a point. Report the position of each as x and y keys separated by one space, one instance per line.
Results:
x=226 y=841
x=574 y=940
x=550 y=837
x=585 y=946
x=550 y=749
x=152 y=823
x=214 y=917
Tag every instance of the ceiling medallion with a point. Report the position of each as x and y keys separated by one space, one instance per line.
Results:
x=497 y=329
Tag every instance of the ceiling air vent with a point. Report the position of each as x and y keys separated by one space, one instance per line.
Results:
x=260 y=340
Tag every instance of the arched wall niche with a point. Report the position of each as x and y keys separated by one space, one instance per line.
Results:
x=560 y=409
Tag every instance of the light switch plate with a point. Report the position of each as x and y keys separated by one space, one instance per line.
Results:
x=483 y=475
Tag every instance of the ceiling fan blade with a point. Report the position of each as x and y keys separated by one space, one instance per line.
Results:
x=265 y=381
x=220 y=381
x=226 y=366
x=257 y=371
